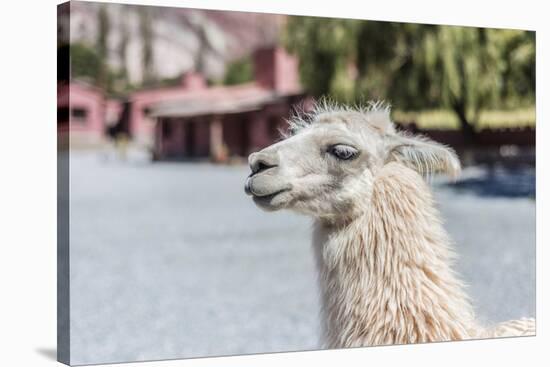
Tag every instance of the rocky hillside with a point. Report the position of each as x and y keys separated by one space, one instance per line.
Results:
x=165 y=42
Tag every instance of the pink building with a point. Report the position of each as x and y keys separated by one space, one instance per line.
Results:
x=83 y=113
x=194 y=120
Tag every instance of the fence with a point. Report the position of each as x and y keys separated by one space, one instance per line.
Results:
x=509 y=146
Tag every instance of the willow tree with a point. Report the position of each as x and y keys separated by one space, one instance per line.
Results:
x=415 y=66
x=464 y=69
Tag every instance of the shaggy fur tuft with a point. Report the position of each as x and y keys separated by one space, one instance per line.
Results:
x=375 y=112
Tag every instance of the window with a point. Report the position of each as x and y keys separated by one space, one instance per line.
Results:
x=79 y=113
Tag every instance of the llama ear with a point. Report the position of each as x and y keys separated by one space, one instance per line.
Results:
x=424 y=155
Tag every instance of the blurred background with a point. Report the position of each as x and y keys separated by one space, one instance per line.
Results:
x=158 y=109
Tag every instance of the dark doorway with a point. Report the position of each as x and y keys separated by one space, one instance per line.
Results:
x=190 y=132
x=235 y=135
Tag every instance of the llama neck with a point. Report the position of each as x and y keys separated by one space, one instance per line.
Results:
x=386 y=276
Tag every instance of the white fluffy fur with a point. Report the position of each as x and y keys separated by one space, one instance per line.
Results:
x=386 y=277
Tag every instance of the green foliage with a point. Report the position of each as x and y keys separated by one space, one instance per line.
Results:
x=519 y=72
x=238 y=72
x=85 y=62
x=326 y=47
x=87 y=65
x=415 y=66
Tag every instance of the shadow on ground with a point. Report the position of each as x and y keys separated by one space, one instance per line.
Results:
x=49 y=353
x=500 y=182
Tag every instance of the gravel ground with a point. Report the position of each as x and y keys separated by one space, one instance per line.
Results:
x=172 y=260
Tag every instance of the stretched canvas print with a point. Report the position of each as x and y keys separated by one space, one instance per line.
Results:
x=234 y=183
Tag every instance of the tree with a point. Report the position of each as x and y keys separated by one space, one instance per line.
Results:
x=415 y=66
x=520 y=77
x=85 y=62
x=239 y=71
x=146 y=33
x=463 y=67
x=102 y=46
x=325 y=47
x=122 y=50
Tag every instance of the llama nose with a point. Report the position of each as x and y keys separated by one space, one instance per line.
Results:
x=260 y=162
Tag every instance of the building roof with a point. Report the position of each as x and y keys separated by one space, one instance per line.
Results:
x=217 y=100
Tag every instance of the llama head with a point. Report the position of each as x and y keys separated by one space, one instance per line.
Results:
x=327 y=165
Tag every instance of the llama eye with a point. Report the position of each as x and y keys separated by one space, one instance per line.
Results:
x=343 y=152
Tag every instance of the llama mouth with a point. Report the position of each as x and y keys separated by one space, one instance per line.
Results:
x=271 y=201
x=268 y=197
x=247 y=188
x=263 y=186
x=264 y=194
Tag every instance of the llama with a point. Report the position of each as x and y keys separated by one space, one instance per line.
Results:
x=385 y=261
